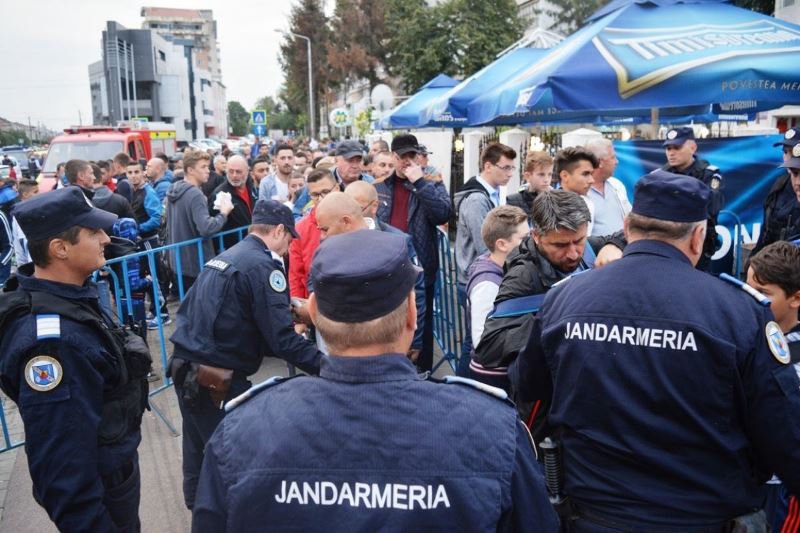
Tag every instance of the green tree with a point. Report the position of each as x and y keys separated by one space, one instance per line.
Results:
x=358 y=41
x=279 y=117
x=766 y=7
x=239 y=118
x=571 y=15
x=13 y=137
x=307 y=18
x=456 y=37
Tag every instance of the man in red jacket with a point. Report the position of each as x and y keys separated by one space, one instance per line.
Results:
x=301 y=251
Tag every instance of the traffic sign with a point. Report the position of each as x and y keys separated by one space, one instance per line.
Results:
x=258 y=117
x=259 y=129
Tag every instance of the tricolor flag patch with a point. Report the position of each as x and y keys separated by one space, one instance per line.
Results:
x=48 y=327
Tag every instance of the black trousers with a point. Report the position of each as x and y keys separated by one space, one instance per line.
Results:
x=122 y=495
x=200 y=418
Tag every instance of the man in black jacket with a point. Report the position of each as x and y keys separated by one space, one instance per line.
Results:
x=556 y=249
x=243 y=195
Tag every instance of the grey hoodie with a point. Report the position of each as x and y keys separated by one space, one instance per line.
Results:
x=188 y=218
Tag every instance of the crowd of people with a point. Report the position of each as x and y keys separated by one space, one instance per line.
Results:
x=658 y=397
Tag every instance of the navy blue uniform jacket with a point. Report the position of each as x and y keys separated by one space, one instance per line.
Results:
x=671 y=408
x=371 y=446
x=234 y=316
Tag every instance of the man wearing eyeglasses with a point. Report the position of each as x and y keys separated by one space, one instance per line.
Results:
x=320 y=183
x=473 y=202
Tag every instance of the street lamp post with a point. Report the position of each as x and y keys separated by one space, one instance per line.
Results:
x=310 y=80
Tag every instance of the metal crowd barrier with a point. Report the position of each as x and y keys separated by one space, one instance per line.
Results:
x=116 y=293
x=448 y=317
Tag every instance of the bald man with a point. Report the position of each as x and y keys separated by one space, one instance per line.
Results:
x=240 y=186
x=156 y=171
x=340 y=215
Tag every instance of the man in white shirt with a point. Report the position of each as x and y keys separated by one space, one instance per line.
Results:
x=607 y=193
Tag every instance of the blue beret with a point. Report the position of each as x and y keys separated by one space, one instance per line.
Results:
x=362 y=275
x=272 y=212
x=678 y=136
x=51 y=213
x=674 y=197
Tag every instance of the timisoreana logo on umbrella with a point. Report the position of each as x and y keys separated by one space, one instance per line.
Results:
x=643 y=58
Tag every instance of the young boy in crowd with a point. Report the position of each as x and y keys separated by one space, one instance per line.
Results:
x=538 y=176
x=775 y=272
x=501 y=231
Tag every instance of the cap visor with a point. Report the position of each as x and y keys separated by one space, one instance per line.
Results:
x=793 y=162
x=673 y=142
x=293 y=231
x=96 y=219
x=406 y=150
x=350 y=155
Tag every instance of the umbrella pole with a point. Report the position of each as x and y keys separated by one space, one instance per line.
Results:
x=654 y=121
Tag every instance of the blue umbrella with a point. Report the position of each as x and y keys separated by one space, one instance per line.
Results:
x=406 y=115
x=639 y=54
x=450 y=108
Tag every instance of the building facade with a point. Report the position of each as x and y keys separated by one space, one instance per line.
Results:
x=146 y=75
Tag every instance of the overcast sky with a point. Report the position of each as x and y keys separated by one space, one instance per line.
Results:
x=47 y=45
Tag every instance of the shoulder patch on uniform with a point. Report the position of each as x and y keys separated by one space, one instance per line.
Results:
x=43 y=373
x=760 y=297
x=277 y=281
x=777 y=343
x=218 y=264
x=48 y=327
x=498 y=393
x=715 y=182
x=252 y=391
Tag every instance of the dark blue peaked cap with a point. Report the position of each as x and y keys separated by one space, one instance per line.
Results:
x=674 y=197
x=362 y=275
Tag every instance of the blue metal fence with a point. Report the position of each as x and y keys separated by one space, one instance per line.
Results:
x=117 y=294
x=448 y=316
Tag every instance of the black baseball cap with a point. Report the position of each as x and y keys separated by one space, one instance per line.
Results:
x=273 y=213
x=405 y=143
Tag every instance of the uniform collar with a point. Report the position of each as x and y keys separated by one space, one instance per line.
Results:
x=87 y=291
x=653 y=247
x=371 y=369
x=258 y=244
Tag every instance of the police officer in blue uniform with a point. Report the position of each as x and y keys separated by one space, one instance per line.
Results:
x=781 y=206
x=672 y=397
x=680 y=148
x=236 y=313
x=370 y=445
x=78 y=378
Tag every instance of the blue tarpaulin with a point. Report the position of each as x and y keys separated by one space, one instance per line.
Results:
x=662 y=53
x=450 y=108
x=657 y=54
x=406 y=115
